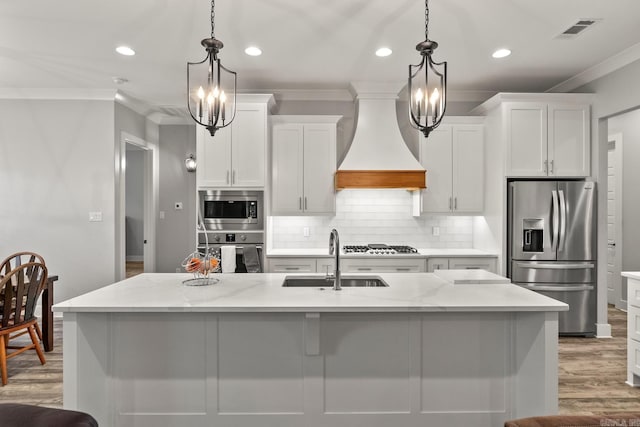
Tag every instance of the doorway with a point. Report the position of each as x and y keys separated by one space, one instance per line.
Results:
x=616 y=288
x=137 y=174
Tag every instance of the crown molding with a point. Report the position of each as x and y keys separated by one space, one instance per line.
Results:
x=58 y=94
x=607 y=66
x=312 y=95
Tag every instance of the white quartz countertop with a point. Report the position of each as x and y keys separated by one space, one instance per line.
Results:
x=262 y=292
x=631 y=274
x=425 y=252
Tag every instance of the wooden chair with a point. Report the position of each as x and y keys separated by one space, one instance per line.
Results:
x=13 y=261
x=20 y=290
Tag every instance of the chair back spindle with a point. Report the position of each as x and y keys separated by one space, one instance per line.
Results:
x=19 y=293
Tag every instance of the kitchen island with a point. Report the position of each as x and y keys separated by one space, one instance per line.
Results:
x=149 y=351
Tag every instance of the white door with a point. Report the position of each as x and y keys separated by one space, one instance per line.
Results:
x=569 y=140
x=615 y=293
x=214 y=157
x=526 y=129
x=248 y=146
x=287 y=172
x=435 y=157
x=319 y=169
x=468 y=168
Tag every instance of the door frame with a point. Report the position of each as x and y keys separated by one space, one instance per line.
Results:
x=620 y=301
x=150 y=184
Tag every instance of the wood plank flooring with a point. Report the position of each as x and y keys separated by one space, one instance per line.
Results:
x=133 y=268
x=591 y=375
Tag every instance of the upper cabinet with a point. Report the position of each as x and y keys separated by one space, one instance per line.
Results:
x=453 y=156
x=236 y=155
x=303 y=165
x=547 y=139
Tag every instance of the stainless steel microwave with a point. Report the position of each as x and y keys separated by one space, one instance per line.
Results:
x=232 y=210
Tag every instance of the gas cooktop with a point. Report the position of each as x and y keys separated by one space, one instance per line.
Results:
x=379 y=249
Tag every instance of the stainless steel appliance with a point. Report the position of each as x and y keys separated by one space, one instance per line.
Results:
x=232 y=210
x=249 y=254
x=379 y=249
x=552 y=246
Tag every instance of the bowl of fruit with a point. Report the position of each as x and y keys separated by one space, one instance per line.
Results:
x=202 y=266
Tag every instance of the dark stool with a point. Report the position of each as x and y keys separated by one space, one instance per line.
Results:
x=18 y=415
x=628 y=419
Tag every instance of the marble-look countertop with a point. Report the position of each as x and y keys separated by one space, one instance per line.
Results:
x=263 y=292
x=422 y=252
x=631 y=274
x=470 y=277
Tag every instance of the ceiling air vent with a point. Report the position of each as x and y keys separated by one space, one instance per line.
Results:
x=577 y=28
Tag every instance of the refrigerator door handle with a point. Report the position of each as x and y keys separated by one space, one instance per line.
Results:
x=563 y=220
x=554 y=266
x=558 y=288
x=555 y=221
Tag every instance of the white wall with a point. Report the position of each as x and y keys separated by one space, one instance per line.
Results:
x=134 y=211
x=373 y=216
x=616 y=92
x=56 y=166
x=176 y=232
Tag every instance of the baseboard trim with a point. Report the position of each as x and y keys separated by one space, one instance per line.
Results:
x=135 y=258
x=603 y=330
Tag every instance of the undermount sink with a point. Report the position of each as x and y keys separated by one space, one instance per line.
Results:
x=347 y=281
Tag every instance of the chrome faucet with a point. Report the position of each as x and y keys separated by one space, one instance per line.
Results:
x=334 y=249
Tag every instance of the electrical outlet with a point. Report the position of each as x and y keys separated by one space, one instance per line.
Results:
x=178 y=270
x=305 y=231
x=435 y=231
x=161 y=214
x=178 y=206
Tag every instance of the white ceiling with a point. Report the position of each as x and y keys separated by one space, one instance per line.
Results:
x=307 y=44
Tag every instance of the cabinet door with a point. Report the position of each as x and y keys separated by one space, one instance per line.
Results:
x=319 y=169
x=434 y=264
x=213 y=155
x=480 y=263
x=287 y=172
x=249 y=141
x=526 y=134
x=435 y=156
x=569 y=140
x=468 y=168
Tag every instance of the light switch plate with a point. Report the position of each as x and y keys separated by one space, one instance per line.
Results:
x=435 y=231
x=305 y=231
x=95 y=216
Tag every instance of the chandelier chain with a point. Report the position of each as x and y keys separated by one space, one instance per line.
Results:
x=213 y=15
x=426 y=19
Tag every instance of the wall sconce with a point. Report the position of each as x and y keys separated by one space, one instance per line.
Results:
x=190 y=163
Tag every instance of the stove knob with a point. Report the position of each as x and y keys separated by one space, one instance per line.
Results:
x=243 y=237
x=216 y=238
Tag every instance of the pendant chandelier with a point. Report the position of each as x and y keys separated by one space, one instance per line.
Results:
x=427 y=86
x=211 y=87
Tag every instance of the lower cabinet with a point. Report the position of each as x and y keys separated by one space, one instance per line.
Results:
x=395 y=265
x=460 y=263
x=633 y=332
x=292 y=265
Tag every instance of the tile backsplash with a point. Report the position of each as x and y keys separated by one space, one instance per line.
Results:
x=373 y=216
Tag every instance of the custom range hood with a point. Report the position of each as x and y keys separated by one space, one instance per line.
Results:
x=378 y=156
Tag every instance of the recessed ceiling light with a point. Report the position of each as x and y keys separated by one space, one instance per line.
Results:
x=125 y=50
x=383 y=51
x=253 y=51
x=501 y=53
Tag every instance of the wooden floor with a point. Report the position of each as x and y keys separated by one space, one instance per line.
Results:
x=591 y=377
x=133 y=268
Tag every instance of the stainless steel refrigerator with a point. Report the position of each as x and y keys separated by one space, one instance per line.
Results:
x=551 y=243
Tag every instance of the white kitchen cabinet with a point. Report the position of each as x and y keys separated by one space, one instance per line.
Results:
x=462 y=263
x=292 y=265
x=633 y=330
x=453 y=156
x=383 y=265
x=236 y=155
x=303 y=165
x=547 y=139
